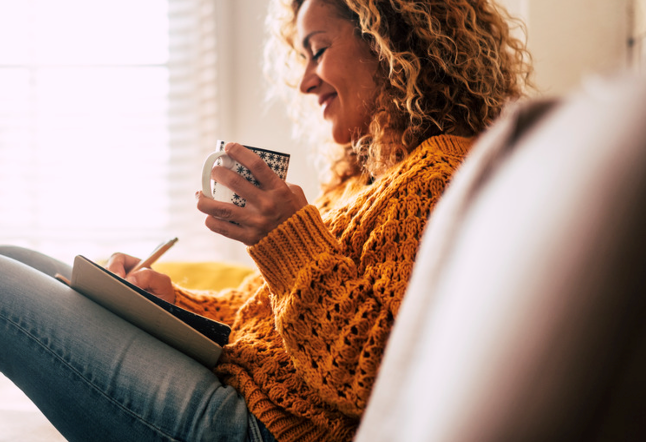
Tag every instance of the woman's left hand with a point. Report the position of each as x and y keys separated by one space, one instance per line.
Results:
x=267 y=206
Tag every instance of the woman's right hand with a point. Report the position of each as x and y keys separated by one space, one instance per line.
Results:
x=147 y=279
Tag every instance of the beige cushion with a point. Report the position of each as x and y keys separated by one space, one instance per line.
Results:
x=524 y=319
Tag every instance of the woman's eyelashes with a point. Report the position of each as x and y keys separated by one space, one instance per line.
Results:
x=318 y=54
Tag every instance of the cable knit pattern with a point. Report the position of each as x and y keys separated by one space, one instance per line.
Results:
x=309 y=332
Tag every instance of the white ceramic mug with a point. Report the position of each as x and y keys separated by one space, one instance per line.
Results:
x=277 y=161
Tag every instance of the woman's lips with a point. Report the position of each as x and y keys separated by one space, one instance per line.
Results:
x=325 y=100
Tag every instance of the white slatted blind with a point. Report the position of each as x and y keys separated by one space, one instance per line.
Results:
x=107 y=108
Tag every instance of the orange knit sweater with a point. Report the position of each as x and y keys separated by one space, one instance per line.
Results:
x=309 y=330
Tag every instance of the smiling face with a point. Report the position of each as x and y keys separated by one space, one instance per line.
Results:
x=339 y=69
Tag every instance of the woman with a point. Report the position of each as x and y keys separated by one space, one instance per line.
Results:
x=404 y=87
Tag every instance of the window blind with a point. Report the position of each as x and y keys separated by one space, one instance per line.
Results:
x=107 y=109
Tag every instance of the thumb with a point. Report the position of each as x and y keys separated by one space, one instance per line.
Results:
x=297 y=191
x=132 y=279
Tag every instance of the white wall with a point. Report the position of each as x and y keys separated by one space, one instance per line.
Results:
x=571 y=39
x=639 y=35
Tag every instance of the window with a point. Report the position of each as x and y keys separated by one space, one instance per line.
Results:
x=107 y=108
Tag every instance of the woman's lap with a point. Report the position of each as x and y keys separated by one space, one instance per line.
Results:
x=97 y=377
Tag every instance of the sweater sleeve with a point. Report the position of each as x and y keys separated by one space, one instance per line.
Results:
x=221 y=305
x=333 y=311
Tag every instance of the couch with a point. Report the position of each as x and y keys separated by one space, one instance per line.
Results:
x=525 y=318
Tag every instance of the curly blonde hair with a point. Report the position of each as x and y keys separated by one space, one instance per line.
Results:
x=445 y=67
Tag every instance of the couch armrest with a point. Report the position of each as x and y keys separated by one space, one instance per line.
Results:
x=524 y=318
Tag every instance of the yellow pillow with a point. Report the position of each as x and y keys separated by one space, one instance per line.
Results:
x=204 y=275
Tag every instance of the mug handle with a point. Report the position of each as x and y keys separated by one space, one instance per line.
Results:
x=227 y=162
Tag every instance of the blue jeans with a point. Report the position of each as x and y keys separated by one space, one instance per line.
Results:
x=97 y=377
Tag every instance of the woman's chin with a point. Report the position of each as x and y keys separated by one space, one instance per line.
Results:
x=341 y=135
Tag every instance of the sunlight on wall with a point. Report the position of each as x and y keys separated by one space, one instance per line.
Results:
x=78 y=31
x=84 y=148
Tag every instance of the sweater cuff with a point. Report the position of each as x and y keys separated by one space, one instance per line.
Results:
x=291 y=247
x=185 y=299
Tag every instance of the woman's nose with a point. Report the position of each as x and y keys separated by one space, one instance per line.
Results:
x=310 y=80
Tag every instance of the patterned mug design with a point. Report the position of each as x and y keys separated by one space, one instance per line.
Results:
x=277 y=161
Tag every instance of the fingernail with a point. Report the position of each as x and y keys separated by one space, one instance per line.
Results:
x=197 y=195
